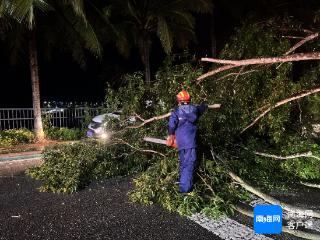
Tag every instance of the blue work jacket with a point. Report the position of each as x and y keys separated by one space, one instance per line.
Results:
x=182 y=123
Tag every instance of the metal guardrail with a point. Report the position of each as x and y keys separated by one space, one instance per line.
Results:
x=13 y=118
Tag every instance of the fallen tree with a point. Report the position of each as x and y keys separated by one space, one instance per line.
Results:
x=216 y=188
x=262 y=195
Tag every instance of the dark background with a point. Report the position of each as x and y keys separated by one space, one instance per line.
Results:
x=61 y=79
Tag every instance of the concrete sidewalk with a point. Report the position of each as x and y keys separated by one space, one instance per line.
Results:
x=15 y=163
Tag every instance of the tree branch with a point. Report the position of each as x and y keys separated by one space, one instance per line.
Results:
x=297 y=155
x=146 y=121
x=292 y=37
x=237 y=74
x=303 y=41
x=205 y=183
x=268 y=60
x=256 y=61
x=139 y=149
x=310 y=185
x=215 y=71
x=262 y=108
x=282 y=102
x=299 y=44
x=270 y=199
x=264 y=196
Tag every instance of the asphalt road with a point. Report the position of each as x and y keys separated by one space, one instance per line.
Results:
x=101 y=211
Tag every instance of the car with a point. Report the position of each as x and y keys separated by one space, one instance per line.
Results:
x=98 y=125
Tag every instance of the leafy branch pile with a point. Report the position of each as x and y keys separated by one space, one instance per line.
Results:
x=70 y=167
x=213 y=194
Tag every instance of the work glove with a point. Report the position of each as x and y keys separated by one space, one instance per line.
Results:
x=171 y=141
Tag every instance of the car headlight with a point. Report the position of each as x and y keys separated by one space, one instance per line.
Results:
x=106 y=136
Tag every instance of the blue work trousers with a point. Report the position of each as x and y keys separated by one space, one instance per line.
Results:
x=188 y=159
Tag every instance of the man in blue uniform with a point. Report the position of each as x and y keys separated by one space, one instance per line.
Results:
x=183 y=131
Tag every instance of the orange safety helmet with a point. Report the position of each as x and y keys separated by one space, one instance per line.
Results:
x=183 y=96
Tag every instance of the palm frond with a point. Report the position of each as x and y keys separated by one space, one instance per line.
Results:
x=184 y=18
x=84 y=32
x=171 y=20
x=134 y=12
x=2 y=8
x=78 y=8
x=5 y=22
x=24 y=10
x=92 y=42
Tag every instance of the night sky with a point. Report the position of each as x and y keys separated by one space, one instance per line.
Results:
x=61 y=79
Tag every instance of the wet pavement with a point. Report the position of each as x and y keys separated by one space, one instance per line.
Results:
x=101 y=211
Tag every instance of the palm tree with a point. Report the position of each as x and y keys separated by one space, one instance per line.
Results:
x=61 y=22
x=138 y=21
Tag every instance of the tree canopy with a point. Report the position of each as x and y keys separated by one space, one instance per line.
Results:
x=138 y=22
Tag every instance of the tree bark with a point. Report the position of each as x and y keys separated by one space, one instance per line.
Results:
x=303 y=41
x=293 y=156
x=215 y=71
x=34 y=70
x=230 y=64
x=312 y=185
x=268 y=60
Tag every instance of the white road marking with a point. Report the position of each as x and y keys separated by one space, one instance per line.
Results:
x=227 y=228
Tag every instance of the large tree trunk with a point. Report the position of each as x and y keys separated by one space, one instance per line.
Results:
x=38 y=129
x=145 y=57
